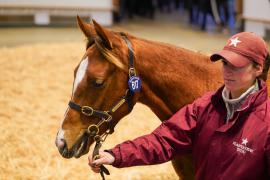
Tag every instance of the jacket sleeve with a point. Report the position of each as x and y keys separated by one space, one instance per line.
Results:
x=172 y=137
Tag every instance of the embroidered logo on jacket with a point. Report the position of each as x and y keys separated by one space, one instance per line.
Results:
x=242 y=147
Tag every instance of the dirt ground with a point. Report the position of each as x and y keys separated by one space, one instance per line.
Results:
x=35 y=86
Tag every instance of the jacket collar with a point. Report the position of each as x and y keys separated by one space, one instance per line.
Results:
x=253 y=100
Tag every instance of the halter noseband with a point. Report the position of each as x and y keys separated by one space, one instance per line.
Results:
x=106 y=116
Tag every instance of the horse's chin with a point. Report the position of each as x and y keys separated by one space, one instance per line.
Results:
x=80 y=148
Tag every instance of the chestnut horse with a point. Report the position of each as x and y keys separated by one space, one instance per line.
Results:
x=171 y=78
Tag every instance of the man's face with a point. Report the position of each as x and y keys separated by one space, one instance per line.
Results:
x=239 y=79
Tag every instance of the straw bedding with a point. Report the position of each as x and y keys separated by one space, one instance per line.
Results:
x=35 y=86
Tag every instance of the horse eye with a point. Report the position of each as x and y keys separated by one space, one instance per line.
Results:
x=98 y=82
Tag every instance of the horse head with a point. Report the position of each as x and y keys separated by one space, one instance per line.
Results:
x=99 y=89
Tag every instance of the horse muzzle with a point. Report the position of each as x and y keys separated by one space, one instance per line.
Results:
x=80 y=148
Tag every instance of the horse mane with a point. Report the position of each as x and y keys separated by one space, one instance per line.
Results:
x=200 y=54
x=201 y=59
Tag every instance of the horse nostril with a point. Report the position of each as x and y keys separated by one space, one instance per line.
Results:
x=61 y=143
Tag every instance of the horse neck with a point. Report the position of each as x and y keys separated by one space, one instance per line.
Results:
x=172 y=76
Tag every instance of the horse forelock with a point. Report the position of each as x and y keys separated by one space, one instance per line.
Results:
x=108 y=54
x=89 y=42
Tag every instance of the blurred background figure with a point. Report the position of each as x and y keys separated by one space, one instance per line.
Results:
x=219 y=16
x=143 y=8
x=231 y=15
x=130 y=8
x=221 y=12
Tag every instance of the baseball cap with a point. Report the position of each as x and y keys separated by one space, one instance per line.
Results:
x=243 y=48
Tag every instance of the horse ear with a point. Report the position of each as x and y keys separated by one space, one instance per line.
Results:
x=103 y=34
x=87 y=29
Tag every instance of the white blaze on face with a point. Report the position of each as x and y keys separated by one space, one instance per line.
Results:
x=79 y=76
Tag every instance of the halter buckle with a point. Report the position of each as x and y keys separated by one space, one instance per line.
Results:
x=93 y=129
x=97 y=138
x=131 y=72
x=109 y=117
x=88 y=111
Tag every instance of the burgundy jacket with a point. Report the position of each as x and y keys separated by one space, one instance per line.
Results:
x=239 y=150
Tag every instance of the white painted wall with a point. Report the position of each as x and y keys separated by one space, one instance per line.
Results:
x=100 y=10
x=257 y=15
x=62 y=3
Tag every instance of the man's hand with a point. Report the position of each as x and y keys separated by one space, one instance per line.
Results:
x=104 y=158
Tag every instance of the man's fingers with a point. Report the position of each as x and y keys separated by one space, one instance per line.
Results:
x=99 y=162
x=90 y=160
x=95 y=169
x=103 y=159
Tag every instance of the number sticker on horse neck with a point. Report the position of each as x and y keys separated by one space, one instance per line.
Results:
x=80 y=74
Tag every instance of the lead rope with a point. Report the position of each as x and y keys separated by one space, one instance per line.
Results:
x=103 y=169
x=93 y=131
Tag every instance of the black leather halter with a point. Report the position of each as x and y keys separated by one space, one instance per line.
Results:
x=106 y=116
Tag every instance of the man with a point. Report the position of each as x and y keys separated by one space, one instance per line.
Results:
x=227 y=131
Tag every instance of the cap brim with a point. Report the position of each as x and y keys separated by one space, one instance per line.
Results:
x=234 y=58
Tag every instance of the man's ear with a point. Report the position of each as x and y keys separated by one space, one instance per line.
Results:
x=259 y=69
x=104 y=34
x=266 y=65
